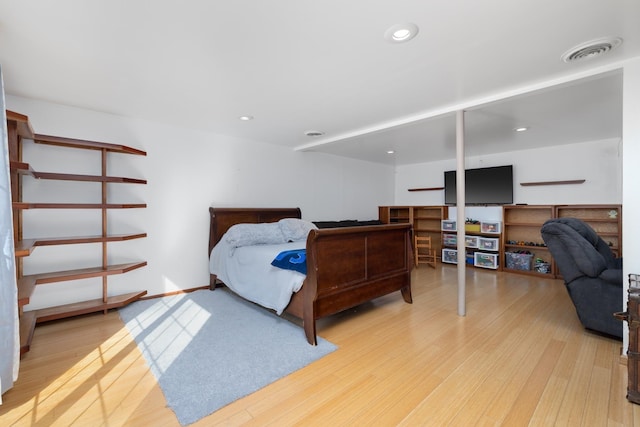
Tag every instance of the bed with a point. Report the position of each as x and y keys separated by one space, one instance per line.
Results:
x=345 y=266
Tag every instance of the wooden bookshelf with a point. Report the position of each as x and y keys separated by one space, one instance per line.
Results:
x=426 y=220
x=21 y=132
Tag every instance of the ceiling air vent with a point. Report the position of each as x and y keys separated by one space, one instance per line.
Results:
x=314 y=133
x=591 y=49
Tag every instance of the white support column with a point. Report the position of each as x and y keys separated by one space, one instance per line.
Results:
x=460 y=218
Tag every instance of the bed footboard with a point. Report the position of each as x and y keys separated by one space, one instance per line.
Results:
x=349 y=266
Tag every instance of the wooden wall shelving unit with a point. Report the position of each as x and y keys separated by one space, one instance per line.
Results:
x=522 y=224
x=426 y=220
x=20 y=130
x=520 y=230
x=606 y=220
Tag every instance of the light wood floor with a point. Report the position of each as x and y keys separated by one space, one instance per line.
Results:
x=519 y=357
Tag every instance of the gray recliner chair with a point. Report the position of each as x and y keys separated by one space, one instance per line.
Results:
x=591 y=273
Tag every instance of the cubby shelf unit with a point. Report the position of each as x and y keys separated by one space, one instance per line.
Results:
x=20 y=130
x=522 y=224
x=425 y=220
x=482 y=244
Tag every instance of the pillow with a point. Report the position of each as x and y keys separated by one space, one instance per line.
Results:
x=295 y=259
x=295 y=229
x=266 y=233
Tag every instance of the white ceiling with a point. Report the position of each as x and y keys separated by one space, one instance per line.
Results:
x=299 y=65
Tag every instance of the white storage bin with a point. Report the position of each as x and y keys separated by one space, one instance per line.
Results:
x=492 y=227
x=488 y=243
x=449 y=239
x=471 y=241
x=448 y=225
x=450 y=256
x=485 y=260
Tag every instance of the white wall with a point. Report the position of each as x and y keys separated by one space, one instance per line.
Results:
x=598 y=162
x=631 y=172
x=187 y=171
x=631 y=167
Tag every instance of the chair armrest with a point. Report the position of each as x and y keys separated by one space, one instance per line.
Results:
x=612 y=275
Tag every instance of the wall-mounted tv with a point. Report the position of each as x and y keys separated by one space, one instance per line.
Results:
x=484 y=186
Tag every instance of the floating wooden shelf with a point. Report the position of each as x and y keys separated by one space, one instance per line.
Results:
x=89 y=145
x=82 y=273
x=25 y=247
x=25 y=169
x=29 y=319
x=574 y=181
x=85 y=307
x=89 y=178
x=25 y=205
x=426 y=189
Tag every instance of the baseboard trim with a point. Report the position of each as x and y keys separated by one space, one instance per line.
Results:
x=623 y=357
x=168 y=294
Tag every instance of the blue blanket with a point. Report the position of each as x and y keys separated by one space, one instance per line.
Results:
x=295 y=259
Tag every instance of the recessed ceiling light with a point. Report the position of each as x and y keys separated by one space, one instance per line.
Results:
x=390 y=152
x=245 y=118
x=521 y=129
x=591 y=49
x=401 y=33
x=314 y=133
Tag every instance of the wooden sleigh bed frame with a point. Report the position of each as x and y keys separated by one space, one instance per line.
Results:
x=345 y=266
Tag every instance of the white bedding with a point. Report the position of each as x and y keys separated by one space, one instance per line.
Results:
x=247 y=270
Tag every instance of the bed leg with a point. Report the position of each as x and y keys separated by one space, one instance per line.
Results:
x=212 y=282
x=310 y=330
x=406 y=294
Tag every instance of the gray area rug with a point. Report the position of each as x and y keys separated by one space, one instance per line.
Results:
x=208 y=349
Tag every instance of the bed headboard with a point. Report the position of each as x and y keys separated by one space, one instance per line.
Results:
x=221 y=219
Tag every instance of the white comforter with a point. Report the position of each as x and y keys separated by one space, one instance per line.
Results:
x=247 y=270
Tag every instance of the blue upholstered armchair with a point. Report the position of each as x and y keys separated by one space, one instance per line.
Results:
x=591 y=273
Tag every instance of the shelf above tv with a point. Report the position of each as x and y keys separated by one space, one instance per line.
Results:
x=573 y=181
x=426 y=189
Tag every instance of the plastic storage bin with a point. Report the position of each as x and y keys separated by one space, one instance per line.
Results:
x=448 y=225
x=472 y=228
x=450 y=256
x=490 y=227
x=518 y=261
x=540 y=266
x=488 y=244
x=471 y=241
x=449 y=239
x=485 y=260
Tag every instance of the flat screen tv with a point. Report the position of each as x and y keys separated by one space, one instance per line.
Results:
x=484 y=186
